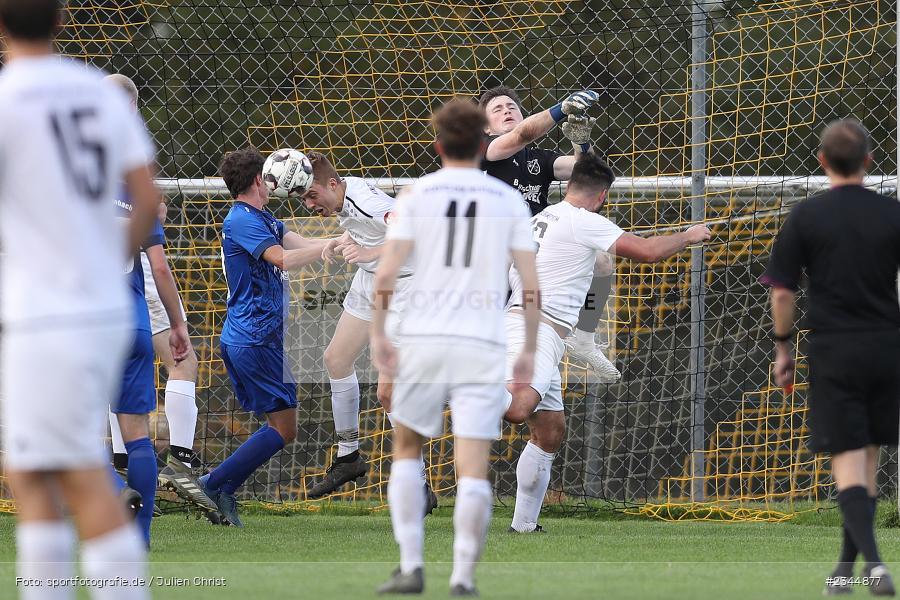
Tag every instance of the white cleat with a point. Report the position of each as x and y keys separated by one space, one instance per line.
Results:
x=596 y=358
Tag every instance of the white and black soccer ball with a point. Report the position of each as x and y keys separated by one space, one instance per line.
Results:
x=287 y=173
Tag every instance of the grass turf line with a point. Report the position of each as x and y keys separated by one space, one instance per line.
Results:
x=321 y=555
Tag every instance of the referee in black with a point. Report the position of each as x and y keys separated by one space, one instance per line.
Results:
x=848 y=241
x=511 y=158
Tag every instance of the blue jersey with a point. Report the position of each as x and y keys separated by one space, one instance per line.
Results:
x=257 y=290
x=136 y=271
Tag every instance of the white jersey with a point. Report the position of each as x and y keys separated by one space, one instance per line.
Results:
x=568 y=239
x=365 y=217
x=66 y=140
x=464 y=225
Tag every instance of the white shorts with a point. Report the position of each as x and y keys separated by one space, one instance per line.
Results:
x=360 y=299
x=57 y=384
x=468 y=377
x=159 y=318
x=547 y=381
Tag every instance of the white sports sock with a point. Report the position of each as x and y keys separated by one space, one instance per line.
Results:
x=45 y=550
x=181 y=412
x=345 y=410
x=407 y=503
x=119 y=553
x=471 y=517
x=584 y=339
x=532 y=479
x=118 y=443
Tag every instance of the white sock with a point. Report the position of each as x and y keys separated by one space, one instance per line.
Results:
x=532 y=479
x=471 y=517
x=45 y=550
x=407 y=503
x=119 y=553
x=181 y=412
x=345 y=409
x=118 y=443
x=584 y=339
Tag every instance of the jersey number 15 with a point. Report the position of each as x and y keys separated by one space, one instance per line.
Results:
x=83 y=158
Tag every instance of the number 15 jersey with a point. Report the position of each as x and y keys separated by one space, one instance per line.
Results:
x=464 y=224
x=67 y=138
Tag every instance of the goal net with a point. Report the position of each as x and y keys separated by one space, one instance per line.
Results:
x=358 y=79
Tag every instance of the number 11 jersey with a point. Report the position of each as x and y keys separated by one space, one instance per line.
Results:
x=464 y=224
x=67 y=139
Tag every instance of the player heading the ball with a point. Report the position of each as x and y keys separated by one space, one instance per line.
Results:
x=460 y=228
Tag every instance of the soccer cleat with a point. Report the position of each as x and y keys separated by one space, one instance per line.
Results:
x=411 y=583
x=337 y=475
x=882 y=584
x=595 y=358
x=431 y=501
x=537 y=529
x=132 y=500
x=177 y=477
x=215 y=517
x=459 y=590
x=228 y=507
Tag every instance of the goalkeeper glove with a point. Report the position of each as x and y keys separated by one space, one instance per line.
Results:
x=578 y=130
x=576 y=104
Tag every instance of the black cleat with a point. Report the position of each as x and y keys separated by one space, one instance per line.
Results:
x=132 y=500
x=880 y=581
x=537 y=529
x=412 y=583
x=337 y=475
x=431 y=501
x=459 y=590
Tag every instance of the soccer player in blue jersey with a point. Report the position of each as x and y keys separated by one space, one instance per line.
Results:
x=256 y=252
x=138 y=394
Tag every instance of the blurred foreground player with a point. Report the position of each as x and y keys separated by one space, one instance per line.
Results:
x=257 y=252
x=67 y=141
x=461 y=228
x=848 y=241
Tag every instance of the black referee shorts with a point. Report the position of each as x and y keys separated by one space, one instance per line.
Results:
x=854 y=390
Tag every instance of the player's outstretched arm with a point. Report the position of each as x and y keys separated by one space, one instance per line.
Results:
x=660 y=247
x=145 y=198
x=296 y=253
x=168 y=294
x=538 y=125
x=393 y=257
x=524 y=263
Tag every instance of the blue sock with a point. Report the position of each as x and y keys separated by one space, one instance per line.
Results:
x=118 y=484
x=251 y=455
x=142 y=477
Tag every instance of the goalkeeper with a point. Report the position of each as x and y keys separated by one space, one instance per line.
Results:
x=511 y=158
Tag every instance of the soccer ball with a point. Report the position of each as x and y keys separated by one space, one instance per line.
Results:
x=287 y=173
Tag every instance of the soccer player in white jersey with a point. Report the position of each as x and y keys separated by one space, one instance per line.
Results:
x=67 y=141
x=364 y=212
x=569 y=236
x=461 y=228
x=161 y=296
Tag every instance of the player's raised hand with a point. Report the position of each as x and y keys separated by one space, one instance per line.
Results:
x=179 y=341
x=384 y=355
x=698 y=234
x=579 y=102
x=523 y=371
x=578 y=129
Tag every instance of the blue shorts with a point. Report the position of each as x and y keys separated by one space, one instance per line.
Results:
x=138 y=395
x=259 y=379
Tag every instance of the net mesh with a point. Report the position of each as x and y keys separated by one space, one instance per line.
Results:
x=358 y=80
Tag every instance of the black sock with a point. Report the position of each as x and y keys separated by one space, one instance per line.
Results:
x=859 y=521
x=183 y=454
x=352 y=457
x=120 y=461
x=594 y=303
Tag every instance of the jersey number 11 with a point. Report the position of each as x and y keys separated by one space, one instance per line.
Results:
x=470 y=234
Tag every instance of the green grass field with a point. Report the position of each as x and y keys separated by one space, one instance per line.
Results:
x=326 y=555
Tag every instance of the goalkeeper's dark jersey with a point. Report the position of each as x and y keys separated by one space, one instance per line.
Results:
x=529 y=170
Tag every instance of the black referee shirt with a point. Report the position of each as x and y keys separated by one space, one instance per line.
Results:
x=848 y=241
x=530 y=170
